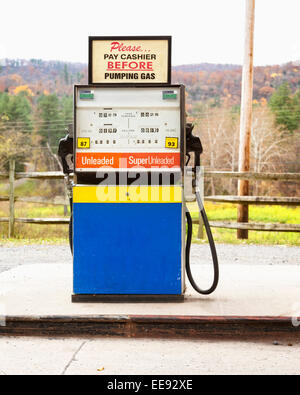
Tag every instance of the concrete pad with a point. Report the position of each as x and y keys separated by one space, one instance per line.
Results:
x=244 y=290
x=114 y=356
x=184 y=357
x=24 y=356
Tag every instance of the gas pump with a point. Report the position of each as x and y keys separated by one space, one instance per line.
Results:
x=129 y=153
x=128 y=225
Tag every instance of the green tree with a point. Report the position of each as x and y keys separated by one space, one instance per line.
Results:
x=286 y=108
x=50 y=120
x=16 y=110
x=54 y=116
x=66 y=104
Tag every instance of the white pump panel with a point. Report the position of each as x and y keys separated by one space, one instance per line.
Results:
x=138 y=121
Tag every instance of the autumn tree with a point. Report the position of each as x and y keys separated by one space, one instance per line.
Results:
x=15 y=128
x=219 y=132
x=14 y=145
x=270 y=147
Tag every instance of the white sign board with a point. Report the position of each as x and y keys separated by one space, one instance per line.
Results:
x=134 y=60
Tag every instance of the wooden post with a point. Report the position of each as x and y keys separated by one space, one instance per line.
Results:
x=66 y=199
x=201 y=189
x=246 y=115
x=11 y=226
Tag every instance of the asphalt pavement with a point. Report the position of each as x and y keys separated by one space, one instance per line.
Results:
x=13 y=256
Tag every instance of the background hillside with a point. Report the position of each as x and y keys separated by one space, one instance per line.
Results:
x=203 y=81
x=223 y=82
x=40 y=76
x=36 y=105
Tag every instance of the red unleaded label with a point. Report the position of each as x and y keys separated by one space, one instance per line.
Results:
x=127 y=160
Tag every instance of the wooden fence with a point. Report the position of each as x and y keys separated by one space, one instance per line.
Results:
x=255 y=200
x=248 y=200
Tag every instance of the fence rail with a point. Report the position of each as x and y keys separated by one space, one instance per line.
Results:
x=47 y=175
x=254 y=226
x=36 y=200
x=39 y=221
x=57 y=175
x=254 y=176
x=255 y=200
x=247 y=200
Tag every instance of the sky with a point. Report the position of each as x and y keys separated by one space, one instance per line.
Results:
x=209 y=31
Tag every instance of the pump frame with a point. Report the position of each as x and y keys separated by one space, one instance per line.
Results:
x=90 y=178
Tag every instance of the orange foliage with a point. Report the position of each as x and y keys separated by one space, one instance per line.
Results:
x=23 y=88
x=266 y=91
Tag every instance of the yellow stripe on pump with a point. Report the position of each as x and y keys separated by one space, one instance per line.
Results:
x=127 y=194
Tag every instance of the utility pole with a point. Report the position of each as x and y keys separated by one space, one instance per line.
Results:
x=246 y=115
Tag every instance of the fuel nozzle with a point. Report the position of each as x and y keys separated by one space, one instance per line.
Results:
x=65 y=151
x=193 y=144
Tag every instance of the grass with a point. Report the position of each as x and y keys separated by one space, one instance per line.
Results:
x=58 y=234
x=32 y=233
x=27 y=188
x=265 y=214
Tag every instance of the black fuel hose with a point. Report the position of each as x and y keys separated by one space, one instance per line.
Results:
x=212 y=248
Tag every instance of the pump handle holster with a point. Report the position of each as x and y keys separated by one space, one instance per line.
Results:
x=193 y=144
x=65 y=153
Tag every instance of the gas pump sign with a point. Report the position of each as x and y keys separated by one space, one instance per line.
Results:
x=130 y=60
